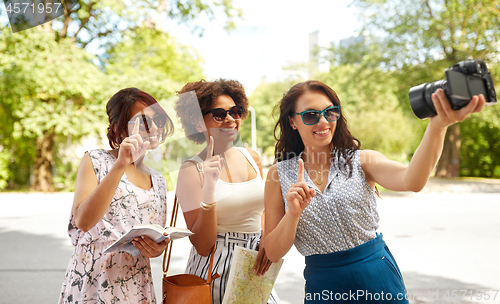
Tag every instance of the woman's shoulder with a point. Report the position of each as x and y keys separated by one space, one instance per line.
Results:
x=155 y=172
x=288 y=161
x=346 y=156
x=369 y=156
x=100 y=154
x=288 y=167
x=102 y=157
x=101 y=160
x=195 y=162
x=271 y=173
x=252 y=153
x=198 y=158
x=190 y=168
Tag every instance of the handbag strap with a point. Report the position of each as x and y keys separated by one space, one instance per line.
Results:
x=173 y=222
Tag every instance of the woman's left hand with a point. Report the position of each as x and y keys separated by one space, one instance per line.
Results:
x=262 y=263
x=446 y=116
x=149 y=248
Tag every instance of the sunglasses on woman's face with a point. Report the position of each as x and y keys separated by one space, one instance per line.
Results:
x=146 y=123
x=311 y=117
x=220 y=114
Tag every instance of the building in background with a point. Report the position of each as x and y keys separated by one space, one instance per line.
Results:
x=322 y=40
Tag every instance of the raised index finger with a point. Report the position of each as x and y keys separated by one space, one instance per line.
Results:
x=210 y=150
x=136 y=126
x=300 y=173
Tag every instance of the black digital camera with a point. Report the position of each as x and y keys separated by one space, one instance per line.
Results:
x=463 y=80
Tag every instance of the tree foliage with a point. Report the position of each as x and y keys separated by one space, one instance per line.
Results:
x=47 y=88
x=371 y=108
x=481 y=145
x=368 y=101
x=417 y=40
x=417 y=31
x=144 y=49
x=53 y=91
x=104 y=21
x=53 y=87
x=264 y=99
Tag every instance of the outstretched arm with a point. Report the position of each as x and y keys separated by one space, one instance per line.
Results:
x=398 y=177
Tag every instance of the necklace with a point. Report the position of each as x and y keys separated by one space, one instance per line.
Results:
x=319 y=180
x=319 y=176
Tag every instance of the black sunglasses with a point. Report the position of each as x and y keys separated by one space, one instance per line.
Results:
x=311 y=117
x=220 y=114
x=146 y=123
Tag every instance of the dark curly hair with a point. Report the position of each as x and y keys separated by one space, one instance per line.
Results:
x=207 y=92
x=119 y=108
x=289 y=143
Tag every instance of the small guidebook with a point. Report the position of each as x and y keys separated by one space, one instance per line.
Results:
x=153 y=231
x=243 y=285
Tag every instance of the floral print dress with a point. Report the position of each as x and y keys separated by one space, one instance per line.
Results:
x=94 y=277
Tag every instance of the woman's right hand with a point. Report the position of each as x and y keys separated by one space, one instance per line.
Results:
x=299 y=195
x=212 y=168
x=92 y=199
x=132 y=147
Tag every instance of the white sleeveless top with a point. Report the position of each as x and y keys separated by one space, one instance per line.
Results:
x=239 y=205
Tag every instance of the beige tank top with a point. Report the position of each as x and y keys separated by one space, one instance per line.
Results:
x=239 y=205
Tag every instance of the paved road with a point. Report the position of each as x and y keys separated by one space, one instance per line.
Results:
x=445 y=239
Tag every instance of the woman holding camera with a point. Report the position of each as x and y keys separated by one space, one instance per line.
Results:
x=320 y=195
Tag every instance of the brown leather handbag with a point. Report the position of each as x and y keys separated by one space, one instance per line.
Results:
x=185 y=288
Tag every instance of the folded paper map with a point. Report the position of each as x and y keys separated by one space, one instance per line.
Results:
x=243 y=285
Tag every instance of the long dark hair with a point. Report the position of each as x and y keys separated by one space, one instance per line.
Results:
x=289 y=143
x=119 y=110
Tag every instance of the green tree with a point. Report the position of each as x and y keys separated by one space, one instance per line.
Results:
x=264 y=100
x=481 y=145
x=143 y=49
x=50 y=83
x=418 y=39
x=371 y=108
x=106 y=20
x=47 y=88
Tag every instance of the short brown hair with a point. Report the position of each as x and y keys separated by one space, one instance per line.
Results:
x=207 y=93
x=119 y=108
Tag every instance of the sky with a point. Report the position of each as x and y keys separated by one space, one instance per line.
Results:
x=271 y=34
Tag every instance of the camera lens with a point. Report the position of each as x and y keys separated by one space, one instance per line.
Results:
x=417 y=101
x=463 y=80
x=421 y=100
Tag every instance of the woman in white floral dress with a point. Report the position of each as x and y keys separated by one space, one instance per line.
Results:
x=113 y=193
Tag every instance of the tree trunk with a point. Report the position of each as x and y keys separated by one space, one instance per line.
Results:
x=449 y=165
x=42 y=173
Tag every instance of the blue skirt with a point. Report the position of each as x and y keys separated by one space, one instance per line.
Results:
x=367 y=273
